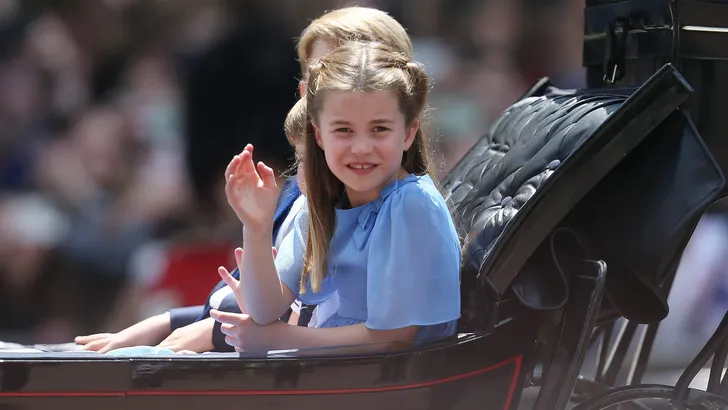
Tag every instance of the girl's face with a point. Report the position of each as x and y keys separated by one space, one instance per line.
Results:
x=364 y=136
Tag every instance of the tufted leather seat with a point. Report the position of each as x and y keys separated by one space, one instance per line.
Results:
x=533 y=168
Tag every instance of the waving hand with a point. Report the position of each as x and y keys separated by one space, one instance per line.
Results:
x=251 y=190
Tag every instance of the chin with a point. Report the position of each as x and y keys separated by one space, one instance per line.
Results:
x=368 y=191
x=360 y=188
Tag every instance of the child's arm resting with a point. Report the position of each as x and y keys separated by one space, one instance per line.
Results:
x=414 y=263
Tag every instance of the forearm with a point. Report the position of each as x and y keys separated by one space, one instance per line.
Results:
x=266 y=298
x=345 y=339
x=155 y=328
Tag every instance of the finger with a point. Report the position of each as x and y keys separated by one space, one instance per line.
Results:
x=108 y=347
x=230 y=186
x=186 y=352
x=227 y=329
x=246 y=169
x=233 y=342
x=82 y=340
x=96 y=345
x=239 y=256
x=267 y=175
x=227 y=317
x=275 y=252
x=166 y=343
x=227 y=278
x=230 y=170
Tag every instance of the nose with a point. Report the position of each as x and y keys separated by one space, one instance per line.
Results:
x=361 y=144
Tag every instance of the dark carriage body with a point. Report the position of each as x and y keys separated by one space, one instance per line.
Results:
x=456 y=375
x=574 y=209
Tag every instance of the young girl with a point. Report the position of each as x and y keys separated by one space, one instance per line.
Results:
x=376 y=229
x=316 y=41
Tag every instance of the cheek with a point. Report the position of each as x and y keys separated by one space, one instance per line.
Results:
x=392 y=148
x=333 y=149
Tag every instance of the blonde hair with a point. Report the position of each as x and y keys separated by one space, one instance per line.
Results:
x=358 y=67
x=295 y=126
x=353 y=23
x=339 y=26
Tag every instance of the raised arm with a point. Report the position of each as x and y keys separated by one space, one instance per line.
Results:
x=252 y=194
x=266 y=297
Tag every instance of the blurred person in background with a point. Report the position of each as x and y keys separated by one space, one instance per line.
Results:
x=35 y=299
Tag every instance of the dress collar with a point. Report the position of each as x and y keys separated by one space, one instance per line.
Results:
x=366 y=214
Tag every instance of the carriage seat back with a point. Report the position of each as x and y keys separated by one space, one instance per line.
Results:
x=538 y=161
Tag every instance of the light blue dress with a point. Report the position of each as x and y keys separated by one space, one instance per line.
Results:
x=395 y=262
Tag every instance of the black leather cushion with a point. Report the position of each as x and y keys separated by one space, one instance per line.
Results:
x=523 y=149
x=540 y=136
x=507 y=165
x=503 y=170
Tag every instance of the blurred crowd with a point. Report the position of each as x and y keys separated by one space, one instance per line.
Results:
x=117 y=118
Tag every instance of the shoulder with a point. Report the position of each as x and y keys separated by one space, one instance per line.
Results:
x=291 y=183
x=416 y=207
x=289 y=190
x=298 y=217
x=301 y=219
x=418 y=196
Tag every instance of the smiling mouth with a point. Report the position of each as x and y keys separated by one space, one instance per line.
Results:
x=361 y=167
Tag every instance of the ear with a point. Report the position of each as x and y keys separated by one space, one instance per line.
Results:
x=411 y=132
x=301 y=89
x=317 y=134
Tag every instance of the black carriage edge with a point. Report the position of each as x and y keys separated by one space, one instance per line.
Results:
x=565 y=185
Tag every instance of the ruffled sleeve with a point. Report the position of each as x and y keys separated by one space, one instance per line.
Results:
x=289 y=262
x=413 y=263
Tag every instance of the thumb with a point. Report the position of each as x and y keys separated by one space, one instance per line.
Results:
x=239 y=256
x=267 y=175
x=226 y=317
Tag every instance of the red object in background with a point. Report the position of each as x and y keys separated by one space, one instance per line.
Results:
x=190 y=271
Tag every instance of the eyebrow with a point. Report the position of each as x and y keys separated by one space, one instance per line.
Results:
x=375 y=121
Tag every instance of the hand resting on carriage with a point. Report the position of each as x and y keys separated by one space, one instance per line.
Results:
x=154 y=331
x=195 y=337
x=148 y=332
x=157 y=331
